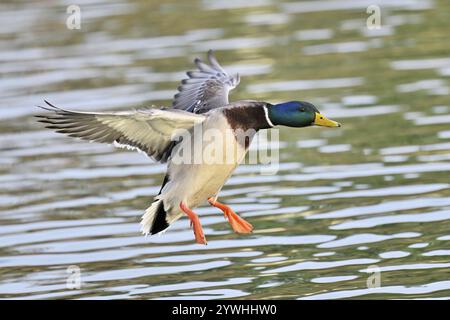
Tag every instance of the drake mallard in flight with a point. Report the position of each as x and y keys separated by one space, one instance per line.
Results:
x=200 y=105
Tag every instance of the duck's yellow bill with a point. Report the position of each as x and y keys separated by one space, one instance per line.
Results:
x=321 y=120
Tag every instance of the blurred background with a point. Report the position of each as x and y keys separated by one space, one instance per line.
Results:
x=372 y=196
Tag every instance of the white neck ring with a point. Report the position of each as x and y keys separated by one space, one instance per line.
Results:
x=266 y=113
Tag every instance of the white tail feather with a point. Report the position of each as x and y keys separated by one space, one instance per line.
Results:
x=149 y=217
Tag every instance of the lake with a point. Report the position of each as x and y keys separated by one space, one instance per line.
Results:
x=359 y=212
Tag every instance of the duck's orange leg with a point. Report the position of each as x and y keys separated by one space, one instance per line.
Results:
x=195 y=222
x=238 y=224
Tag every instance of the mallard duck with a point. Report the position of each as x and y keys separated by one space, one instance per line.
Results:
x=200 y=105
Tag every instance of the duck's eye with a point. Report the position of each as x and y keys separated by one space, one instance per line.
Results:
x=302 y=109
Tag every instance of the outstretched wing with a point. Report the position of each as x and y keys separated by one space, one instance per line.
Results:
x=147 y=130
x=207 y=88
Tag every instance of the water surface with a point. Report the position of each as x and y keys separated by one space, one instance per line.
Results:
x=374 y=194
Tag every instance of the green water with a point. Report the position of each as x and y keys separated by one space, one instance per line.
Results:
x=372 y=193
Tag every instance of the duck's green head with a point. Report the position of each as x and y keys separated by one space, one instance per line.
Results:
x=298 y=114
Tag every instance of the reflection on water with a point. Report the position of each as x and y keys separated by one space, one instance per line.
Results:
x=374 y=193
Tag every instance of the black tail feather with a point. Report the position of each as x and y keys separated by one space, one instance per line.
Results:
x=160 y=222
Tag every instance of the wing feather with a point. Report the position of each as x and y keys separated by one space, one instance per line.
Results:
x=207 y=88
x=148 y=130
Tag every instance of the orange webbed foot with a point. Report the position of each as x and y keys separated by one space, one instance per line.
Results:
x=238 y=224
x=195 y=223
